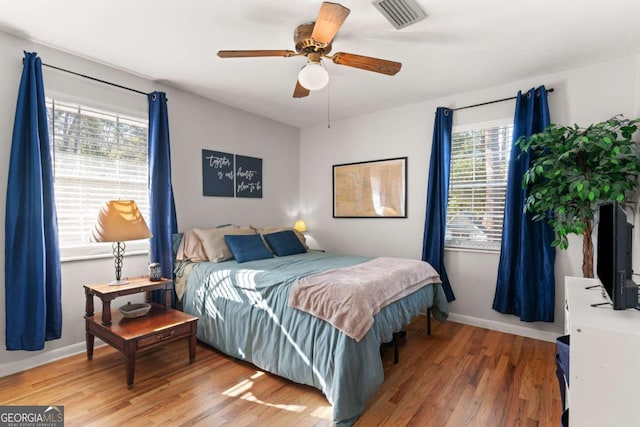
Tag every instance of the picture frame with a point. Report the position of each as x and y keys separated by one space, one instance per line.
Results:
x=370 y=189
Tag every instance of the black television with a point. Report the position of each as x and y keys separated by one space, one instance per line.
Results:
x=614 y=252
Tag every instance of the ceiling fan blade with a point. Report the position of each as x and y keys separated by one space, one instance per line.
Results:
x=300 y=91
x=367 y=63
x=329 y=21
x=254 y=53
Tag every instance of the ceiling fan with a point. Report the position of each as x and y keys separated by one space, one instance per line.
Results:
x=313 y=40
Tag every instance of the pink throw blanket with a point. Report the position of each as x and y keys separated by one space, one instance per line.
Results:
x=349 y=297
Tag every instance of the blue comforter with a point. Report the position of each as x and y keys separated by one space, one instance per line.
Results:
x=243 y=312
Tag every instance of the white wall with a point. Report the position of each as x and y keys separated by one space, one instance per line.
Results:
x=195 y=123
x=582 y=96
x=636 y=212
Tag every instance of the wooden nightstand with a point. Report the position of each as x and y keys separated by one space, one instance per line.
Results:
x=162 y=324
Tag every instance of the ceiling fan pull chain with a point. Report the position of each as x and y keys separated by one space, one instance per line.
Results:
x=329 y=105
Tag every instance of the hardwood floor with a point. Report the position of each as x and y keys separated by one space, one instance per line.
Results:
x=459 y=376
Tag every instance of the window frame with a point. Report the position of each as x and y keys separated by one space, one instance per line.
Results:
x=471 y=245
x=96 y=250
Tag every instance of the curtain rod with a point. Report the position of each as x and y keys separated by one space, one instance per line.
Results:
x=93 y=78
x=491 y=102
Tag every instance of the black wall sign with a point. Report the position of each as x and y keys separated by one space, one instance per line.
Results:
x=217 y=173
x=248 y=177
x=229 y=175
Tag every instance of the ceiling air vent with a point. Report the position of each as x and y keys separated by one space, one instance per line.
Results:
x=401 y=13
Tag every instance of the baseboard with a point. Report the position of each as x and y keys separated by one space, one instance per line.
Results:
x=504 y=327
x=44 y=358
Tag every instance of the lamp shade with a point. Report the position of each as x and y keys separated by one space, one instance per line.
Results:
x=313 y=76
x=119 y=221
x=300 y=226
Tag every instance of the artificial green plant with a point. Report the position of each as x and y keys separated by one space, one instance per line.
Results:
x=573 y=169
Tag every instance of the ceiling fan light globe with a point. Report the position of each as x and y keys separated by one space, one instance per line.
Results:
x=313 y=76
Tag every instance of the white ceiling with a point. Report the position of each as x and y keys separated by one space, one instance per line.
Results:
x=463 y=45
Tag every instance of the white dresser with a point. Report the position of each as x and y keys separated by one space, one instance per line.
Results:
x=604 y=357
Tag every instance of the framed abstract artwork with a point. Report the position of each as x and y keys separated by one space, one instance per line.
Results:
x=372 y=189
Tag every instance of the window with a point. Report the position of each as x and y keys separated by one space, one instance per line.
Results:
x=477 y=185
x=97 y=156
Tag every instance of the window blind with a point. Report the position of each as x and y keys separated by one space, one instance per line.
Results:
x=97 y=156
x=477 y=186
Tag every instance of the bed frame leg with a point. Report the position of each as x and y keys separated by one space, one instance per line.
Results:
x=396 y=348
x=428 y=321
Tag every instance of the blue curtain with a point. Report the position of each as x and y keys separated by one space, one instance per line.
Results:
x=435 y=223
x=32 y=254
x=526 y=284
x=163 y=222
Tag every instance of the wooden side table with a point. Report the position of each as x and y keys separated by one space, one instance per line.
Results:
x=130 y=335
x=108 y=293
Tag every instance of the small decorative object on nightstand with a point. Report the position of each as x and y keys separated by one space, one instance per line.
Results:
x=155 y=271
x=131 y=311
x=129 y=335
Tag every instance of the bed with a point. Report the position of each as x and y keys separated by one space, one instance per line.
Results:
x=244 y=311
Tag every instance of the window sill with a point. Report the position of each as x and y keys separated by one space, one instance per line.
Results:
x=74 y=258
x=474 y=250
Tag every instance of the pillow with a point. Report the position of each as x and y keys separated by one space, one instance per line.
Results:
x=247 y=247
x=285 y=243
x=190 y=248
x=269 y=230
x=214 y=244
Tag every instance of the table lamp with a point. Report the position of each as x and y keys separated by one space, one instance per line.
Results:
x=300 y=226
x=119 y=220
